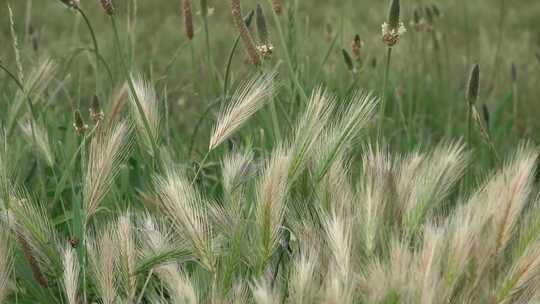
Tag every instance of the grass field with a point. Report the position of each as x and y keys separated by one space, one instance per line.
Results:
x=286 y=152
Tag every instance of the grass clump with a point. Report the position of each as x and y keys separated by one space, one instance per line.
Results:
x=287 y=176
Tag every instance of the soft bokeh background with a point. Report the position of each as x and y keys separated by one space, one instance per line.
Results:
x=427 y=82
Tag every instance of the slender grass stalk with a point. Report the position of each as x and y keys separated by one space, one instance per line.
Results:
x=79 y=222
x=228 y=69
x=287 y=56
x=515 y=97
x=384 y=94
x=211 y=73
x=131 y=85
x=94 y=42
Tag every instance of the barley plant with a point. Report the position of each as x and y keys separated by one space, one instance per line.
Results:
x=274 y=152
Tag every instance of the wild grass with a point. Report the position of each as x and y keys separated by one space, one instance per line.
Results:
x=288 y=168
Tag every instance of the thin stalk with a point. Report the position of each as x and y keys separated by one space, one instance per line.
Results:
x=79 y=222
x=140 y=109
x=199 y=169
x=211 y=73
x=199 y=123
x=515 y=103
x=288 y=56
x=29 y=102
x=63 y=179
x=467 y=30
x=385 y=88
x=326 y=57
x=94 y=42
x=469 y=126
x=275 y=121
x=229 y=64
x=496 y=58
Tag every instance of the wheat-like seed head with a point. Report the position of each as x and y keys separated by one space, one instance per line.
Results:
x=246 y=101
x=71 y=274
x=128 y=254
x=179 y=285
x=150 y=106
x=15 y=41
x=522 y=277
x=104 y=263
x=339 y=279
x=36 y=234
x=107 y=153
x=303 y=288
x=36 y=133
x=310 y=127
x=5 y=263
x=236 y=168
x=376 y=193
x=433 y=182
x=508 y=193
x=427 y=266
x=347 y=129
x=185 y=208
x=263 y=293
x=271 y=200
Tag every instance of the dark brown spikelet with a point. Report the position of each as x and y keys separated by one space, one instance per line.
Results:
x=187 y=10
x=436 y=11
x=32 y=263
x=356 y=46
x=108 y=7
x=393 y=14
x=96 y=113
x=262 y=28
x=244 y=33
x=278 y=6
x=204 y=8
x=429 y=15
x=348 y=61
x=417 y=16
x=473 y=87
x=78 y=123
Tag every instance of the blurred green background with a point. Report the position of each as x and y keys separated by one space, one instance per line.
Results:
x=427 y=80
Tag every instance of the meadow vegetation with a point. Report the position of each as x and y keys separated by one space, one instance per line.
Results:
x=284 y=151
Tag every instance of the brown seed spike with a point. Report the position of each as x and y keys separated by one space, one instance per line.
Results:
x=96 y=113
x=34 y=267
x=187 y=9
x=278 y=6
x=393 y=14
x=108 y=7
x=348 y=61
x=78 y=123
x=473 y=88
x=356 y=46
x=244 y=33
